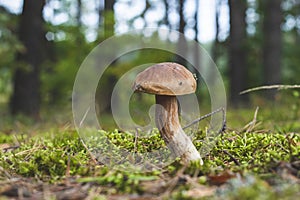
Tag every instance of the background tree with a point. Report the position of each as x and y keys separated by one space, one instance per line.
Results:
x=272 y=43
x=182 y=47
x=264 y=35
x=290 y=42
x=26 y=79
x=103 y=95
x=166 y=16
x=79 y=13
x=217 y=41
x=196 y=29
x=237 y=51
x=109 y=18
x=10 y=45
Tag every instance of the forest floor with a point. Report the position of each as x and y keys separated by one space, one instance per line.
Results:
x=256 y=157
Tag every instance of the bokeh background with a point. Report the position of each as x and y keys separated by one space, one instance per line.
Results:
x=43 y=43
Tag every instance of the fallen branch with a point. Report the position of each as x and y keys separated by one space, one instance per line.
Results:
x=268 y=87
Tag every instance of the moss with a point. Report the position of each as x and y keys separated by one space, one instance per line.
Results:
x=260 y=157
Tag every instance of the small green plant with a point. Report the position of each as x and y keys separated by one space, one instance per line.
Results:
x=52 y=156
x=121 y=181
x=296 y=105
x=253 y=158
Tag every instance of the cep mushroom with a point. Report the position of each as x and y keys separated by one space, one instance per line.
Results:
x=168 y=80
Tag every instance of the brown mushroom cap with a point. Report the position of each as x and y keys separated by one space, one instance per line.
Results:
x=165 y=79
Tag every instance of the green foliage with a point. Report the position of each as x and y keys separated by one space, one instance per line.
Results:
x=50 y=157
x=254 y=157
x=255 y=152
x=9 y=41
x=4 y=138
x=121 y=181
x=144 y=144
x=10 y=45
x=58 y=76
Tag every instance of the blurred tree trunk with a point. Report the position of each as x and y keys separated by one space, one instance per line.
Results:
x=237 y=51
x=147 y=7
x=214 y=50
x=79 y=13
x=182 y=44
x=26 y=79
x=216 y=42
x=79 y=37
x=103 y=95
x=166 y=17
x=99 y=10
x=196 y=46
x=78 y=16
x=109 y=18
x=272 y=44
x=181 y=16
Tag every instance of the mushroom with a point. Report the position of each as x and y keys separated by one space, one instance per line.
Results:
x=168 y=80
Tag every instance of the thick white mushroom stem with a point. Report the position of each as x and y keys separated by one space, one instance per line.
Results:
x=167 y=121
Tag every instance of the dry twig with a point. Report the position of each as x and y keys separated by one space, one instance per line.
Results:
x=251 y=125
x=208 y=115
x=268 y=87
x=232 y=157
